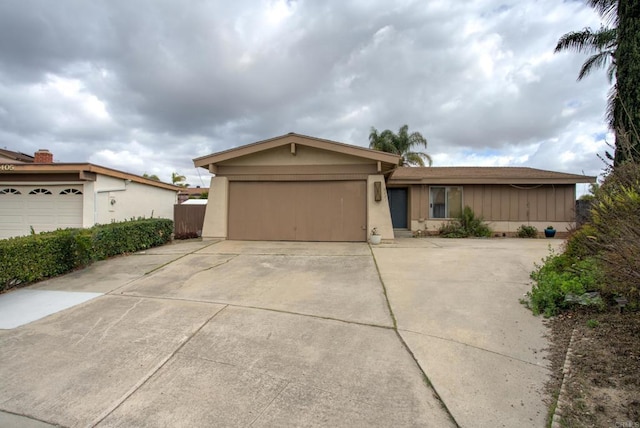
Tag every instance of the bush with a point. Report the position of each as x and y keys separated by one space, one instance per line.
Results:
x=31 y=258
x=601 y=256
x=559 y=276
x=465 y=226
x=616 y=218
x=582 y=242
x=525 y=231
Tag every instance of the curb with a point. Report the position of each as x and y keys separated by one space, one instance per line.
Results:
x=561 y=403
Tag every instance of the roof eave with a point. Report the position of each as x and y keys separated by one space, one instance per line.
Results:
x=62 y=168
x=458 y=180
x=375 y=155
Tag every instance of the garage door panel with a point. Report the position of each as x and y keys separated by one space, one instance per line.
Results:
x=298 y=211
x=43 y=212
x=252 y=208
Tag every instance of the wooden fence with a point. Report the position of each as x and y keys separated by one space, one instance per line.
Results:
x=188 y=220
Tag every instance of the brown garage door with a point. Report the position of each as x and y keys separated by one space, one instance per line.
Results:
x=298 y=211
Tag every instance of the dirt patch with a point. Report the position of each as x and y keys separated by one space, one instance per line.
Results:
x=602 y=389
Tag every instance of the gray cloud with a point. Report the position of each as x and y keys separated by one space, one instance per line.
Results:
x=146 y=86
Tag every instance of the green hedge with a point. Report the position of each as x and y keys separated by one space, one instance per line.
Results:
x=31 y=258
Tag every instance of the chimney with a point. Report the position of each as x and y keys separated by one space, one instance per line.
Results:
x=43 y=156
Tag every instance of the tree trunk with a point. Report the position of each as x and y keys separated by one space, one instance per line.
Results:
x=627 y=103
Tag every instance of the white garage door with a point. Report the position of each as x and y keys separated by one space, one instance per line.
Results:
x=43 y=207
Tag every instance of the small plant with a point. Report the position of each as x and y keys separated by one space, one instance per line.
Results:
x=468 y=224
x=550 y=228
x=525 y=231
x=374 y=231
x=592 y=323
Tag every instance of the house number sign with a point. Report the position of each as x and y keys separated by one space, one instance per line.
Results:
x=7 y=167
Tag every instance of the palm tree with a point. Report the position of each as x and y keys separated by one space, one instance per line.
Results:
x=178 y=179
x=401 y=144
x=601 y=44
x=614 y=48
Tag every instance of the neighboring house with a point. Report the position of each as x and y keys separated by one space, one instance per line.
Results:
x=37 y=193
x=190 y=193
x=299 y=188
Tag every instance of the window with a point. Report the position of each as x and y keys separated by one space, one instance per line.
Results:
x=10 y=191
x=40 y=191
x=445 y=202
x=70 y=192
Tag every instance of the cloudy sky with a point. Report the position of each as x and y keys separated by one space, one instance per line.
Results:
x=148 y=85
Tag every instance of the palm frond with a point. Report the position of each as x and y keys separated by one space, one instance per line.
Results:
x=400 y=144
x=417 y=158
x=606 y=8
x=587 y=40
x=598 y=60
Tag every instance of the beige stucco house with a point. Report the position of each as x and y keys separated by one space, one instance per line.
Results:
x=299 y=188
x=37 y=193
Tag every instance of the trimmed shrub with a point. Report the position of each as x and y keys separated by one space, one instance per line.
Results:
x=32 y=258
x=468 y=225
x=525 y=231
x=130 y=236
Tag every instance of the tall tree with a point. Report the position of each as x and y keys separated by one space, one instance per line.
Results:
x=627 y=104
x=402 y=144
x=616 y=47
x=151 y=177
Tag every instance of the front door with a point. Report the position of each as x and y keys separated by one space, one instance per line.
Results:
x=398 y=207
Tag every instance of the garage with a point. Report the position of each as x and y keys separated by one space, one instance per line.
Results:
x=298 y=188
x=44 y=207
x=298 y=211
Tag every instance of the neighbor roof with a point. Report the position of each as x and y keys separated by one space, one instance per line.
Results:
x=15 y=157
x=85 y=171
x=484 y=175
x=387 y=158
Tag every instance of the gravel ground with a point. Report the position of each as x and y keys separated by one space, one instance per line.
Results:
x=602 y=387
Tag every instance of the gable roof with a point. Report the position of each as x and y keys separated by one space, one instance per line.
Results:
x=484 y=175
x=389 y=160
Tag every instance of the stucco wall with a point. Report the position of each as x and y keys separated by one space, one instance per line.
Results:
x=130 y=200
x=88 y=204
x=378 y=213
x=215 y=217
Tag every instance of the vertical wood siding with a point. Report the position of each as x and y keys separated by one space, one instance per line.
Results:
x=496 y=202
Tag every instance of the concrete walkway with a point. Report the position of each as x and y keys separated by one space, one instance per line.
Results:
x=286 y=334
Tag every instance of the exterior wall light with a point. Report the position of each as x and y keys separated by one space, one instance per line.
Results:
x=377 y=191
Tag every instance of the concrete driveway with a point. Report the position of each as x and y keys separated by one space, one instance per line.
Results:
x=286 y=334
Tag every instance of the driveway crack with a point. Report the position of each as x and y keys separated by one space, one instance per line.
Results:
x=471 y=346
x=406 y=346
x=151 y=372
x=269 y=403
